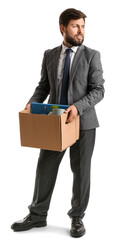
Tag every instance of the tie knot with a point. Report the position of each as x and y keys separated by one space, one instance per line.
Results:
x=69 y=50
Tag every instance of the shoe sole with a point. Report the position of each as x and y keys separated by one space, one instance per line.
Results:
x=76 y=235
x=38 y=225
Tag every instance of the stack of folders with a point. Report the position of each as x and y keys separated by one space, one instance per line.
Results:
x=42 y=108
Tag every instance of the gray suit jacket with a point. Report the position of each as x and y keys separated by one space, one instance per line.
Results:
x=85 y=84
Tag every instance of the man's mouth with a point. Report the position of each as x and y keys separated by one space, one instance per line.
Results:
x=79 y=36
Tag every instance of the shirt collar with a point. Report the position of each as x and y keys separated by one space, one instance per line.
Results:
x=74 y=48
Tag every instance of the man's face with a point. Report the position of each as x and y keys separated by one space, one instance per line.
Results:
x=74 y=33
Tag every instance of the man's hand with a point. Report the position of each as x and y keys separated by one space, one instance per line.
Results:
x=73 y=112
x=28 y=106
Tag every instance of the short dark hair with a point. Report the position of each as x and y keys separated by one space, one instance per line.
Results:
x=70 y=14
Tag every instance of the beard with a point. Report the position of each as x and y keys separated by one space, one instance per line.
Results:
x=72 y=41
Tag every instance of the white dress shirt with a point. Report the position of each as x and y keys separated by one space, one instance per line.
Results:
x=61 y=65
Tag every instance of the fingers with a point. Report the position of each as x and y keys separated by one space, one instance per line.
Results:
x=72 y=113
x=70 y=118
x=28 y=106
x=68 y=109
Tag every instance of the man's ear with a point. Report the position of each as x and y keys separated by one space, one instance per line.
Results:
x=62 y=28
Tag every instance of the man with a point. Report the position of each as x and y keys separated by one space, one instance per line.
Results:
x=71 y=74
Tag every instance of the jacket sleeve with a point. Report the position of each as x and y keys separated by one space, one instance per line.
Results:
x=42 y=90
x=95 y=88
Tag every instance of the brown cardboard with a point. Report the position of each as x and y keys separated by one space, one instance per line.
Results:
x=47 y=131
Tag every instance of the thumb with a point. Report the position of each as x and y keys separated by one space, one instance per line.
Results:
x=28 y=106
x=68 y=110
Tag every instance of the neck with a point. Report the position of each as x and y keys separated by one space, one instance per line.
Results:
x=67 y=44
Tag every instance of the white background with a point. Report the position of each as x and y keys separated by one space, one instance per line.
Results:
x=27 y=29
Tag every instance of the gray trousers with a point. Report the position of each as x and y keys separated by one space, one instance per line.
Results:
x=46 y=173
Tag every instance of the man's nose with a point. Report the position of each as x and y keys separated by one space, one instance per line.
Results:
x=79 y=30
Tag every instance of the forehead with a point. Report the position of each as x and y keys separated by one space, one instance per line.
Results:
x=77 y=21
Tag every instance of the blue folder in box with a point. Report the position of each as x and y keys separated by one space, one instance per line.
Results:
x=42 y=108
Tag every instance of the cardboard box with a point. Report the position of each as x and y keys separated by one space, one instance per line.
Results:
x=47 y=131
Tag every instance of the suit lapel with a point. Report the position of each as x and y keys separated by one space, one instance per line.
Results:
x=56 y=55
x=76 y=62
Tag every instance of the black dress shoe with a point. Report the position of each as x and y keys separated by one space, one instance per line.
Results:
x=77 y=227
x=27 y=223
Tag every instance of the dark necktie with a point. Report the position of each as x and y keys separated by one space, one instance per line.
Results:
x=65 y=80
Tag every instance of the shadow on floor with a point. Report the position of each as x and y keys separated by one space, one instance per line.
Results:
x=48 y=229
